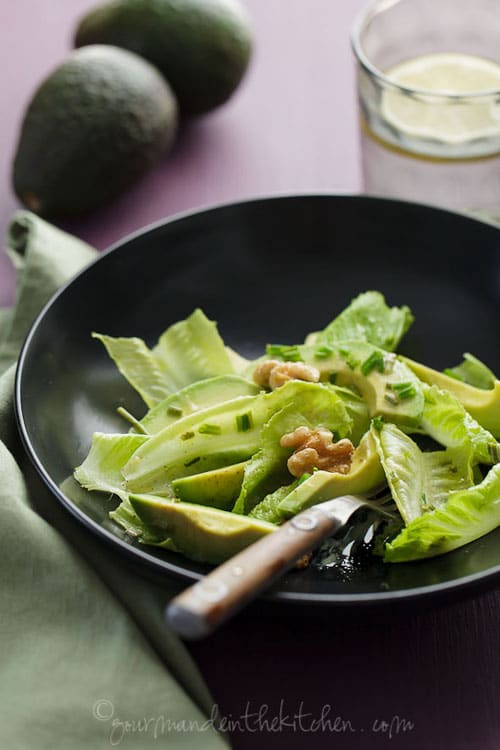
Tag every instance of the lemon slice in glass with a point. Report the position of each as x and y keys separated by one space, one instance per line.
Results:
x=430 y=112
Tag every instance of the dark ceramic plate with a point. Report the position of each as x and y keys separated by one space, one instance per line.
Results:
x=266 y=270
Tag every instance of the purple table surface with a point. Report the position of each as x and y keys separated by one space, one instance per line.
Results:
x=292 y=127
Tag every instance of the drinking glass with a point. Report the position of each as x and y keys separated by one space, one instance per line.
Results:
x=428 y=75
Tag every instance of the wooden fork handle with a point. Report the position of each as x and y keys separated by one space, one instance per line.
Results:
x=201 y=608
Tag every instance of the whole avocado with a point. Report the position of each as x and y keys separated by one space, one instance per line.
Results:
x=98 y=122
x=202 y=47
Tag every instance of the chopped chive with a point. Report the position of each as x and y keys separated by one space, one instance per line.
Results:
x=210 y=429
x=187 y=435
x=193 y=461
x=322 y=352
x=378 y=423
x=374 y=361
x=244 y=422
x=352 y=361
x=174 y=411
x=332 y=378
x=286 y=353
x=404 y=390
x=391 y=399
x=304 y=477
x=132 y=420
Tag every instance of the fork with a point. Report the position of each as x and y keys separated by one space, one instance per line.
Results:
x=205 y=605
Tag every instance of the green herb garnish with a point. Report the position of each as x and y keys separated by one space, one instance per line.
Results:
x=244 y=422
x=209 y=429
x=374 y=362
x=286 y=353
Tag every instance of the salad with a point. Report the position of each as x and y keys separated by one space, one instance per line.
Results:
x=229 y=448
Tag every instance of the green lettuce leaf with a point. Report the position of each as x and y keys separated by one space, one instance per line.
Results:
x=446 y=421
x=316 y=406
x=474 y=372
x=218 y=436
x=357 y=409
x=188 y=351
x=467 y=515
x=368 y=318
x=101 y=470
x=420 y=481
x=195 y=397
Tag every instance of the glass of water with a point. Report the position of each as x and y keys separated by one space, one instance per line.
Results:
x=429 y=95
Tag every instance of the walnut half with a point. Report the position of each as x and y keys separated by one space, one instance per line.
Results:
x=315 y=449
x=273 y=374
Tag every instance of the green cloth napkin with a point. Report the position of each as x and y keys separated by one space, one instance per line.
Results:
x=86 y=658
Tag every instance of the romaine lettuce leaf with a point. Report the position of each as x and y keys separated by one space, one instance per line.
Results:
x=474 y=372
x=101 y=470
x=420 y=481
x=467 y=515
x=368 y=318
x=316 y=406
x=193 y=350
x=137 y=365
x=188 y=351
x=446 y=421
x=357 y=409
x=196 y=397
x=218 y=436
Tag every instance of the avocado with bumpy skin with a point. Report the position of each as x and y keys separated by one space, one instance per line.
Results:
x=202 y=47
x=98 y=122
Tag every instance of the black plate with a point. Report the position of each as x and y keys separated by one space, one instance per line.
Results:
x=266 y=270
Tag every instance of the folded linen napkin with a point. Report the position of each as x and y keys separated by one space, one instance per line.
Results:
x=86 y=658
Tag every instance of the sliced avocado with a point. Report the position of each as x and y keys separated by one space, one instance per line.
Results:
x=195 y=397
x=388 y=385
x=197 y=531
x=482 y=405
x=366 y=476
x=218 y=488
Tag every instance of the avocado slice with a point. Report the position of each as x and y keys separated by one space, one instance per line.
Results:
x=366 y=476
x=482 y=405
x=384 y=380
x=195 y=397
x=199 y=532
x=218 y=488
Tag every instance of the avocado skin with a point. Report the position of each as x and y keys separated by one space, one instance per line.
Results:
x=202 y=47
x=96 y=124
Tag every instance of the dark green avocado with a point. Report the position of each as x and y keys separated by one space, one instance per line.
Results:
x=97 y=123
x=202 y=47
